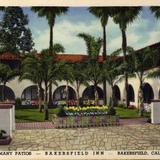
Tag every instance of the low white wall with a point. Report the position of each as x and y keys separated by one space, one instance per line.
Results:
x=155 y=112
x=7 y=118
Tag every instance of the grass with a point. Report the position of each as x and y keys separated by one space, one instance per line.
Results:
x=129 y=113
x=33 y=114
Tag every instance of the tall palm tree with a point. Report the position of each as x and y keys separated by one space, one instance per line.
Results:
x=103 y=13
x=155 y=11
x=50 y=13
x=125 y=16
x=93 y=69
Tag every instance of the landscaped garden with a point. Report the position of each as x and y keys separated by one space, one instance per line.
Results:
x=33 y=115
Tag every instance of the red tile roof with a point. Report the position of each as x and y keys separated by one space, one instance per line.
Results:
x=9 y=56
x=68 y=57
x=74 y=58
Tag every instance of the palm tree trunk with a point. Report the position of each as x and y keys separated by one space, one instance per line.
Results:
x=78 y=86
x=140 y=99
x=104 y=58
x=40 y=97
x=3 y=92
x=113 y=96
x=124 y=48
x=46 y=116
x=67 y=94
x=95 y=93
x=51 y=51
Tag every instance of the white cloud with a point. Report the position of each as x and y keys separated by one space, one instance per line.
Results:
x=65 y=32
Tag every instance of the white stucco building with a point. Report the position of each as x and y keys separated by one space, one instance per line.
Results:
x=27 y=91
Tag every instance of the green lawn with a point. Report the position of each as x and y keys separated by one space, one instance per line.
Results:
x=33 y=115
x=129 y=113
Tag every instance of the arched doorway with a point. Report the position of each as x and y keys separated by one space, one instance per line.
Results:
x=89 y=93
x=30 y=95
x=117 y=93
x=8 y=93
x=148 y=93
x=61 y=92
x=131 y=96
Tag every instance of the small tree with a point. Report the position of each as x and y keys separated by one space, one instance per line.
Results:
x=93 y=67
x=33 y=73
x=111 y=72
x=79 y=77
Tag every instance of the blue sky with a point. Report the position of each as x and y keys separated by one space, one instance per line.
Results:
x=144 y=31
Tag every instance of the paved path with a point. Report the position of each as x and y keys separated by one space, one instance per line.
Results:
x=130 y=137
x=34 y=125
x=49 y=125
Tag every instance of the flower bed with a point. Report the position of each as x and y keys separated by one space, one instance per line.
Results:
x=85 y=121
x=88 y=110
x=76 y=116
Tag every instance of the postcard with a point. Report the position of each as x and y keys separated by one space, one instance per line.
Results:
x=79 y=80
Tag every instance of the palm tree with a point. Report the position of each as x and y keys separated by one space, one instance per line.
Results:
x=125 y=16
x=103 y=13
x=6 y=75
x=140 y=63
x=50 y=13
x=79 y=77
x=31 y=69
x=93 y=68
x=155 y=11
x=57 y=48
x=65 y=72
x=111 y=71
x=40 y=69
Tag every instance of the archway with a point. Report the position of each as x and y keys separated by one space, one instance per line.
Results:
x=60 y=93
x=30 y=95
x=8 y=93
x=117 y=93
x=131 y=96
x=148 y=93
x=88 y=93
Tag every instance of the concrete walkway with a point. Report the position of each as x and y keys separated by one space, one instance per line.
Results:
x=123 y=137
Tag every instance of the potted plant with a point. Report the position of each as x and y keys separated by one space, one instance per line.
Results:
x=4 y=138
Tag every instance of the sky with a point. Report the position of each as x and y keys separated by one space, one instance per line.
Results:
x=145 y=30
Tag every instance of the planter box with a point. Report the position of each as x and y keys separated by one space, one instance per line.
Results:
x=5 y=141
x=85 y=121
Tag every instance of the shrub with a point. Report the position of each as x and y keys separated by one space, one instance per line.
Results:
x=120 y=105
x=61 y=112
x=111 y=111
x=2 y=133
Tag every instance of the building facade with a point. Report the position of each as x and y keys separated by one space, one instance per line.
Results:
x=28 y=91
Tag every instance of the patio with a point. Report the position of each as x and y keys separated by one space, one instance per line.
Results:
x=130 y=137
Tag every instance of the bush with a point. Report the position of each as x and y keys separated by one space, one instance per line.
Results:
x=111 y=111
x=61 y=112
x=120 y=105
x=2 y=133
